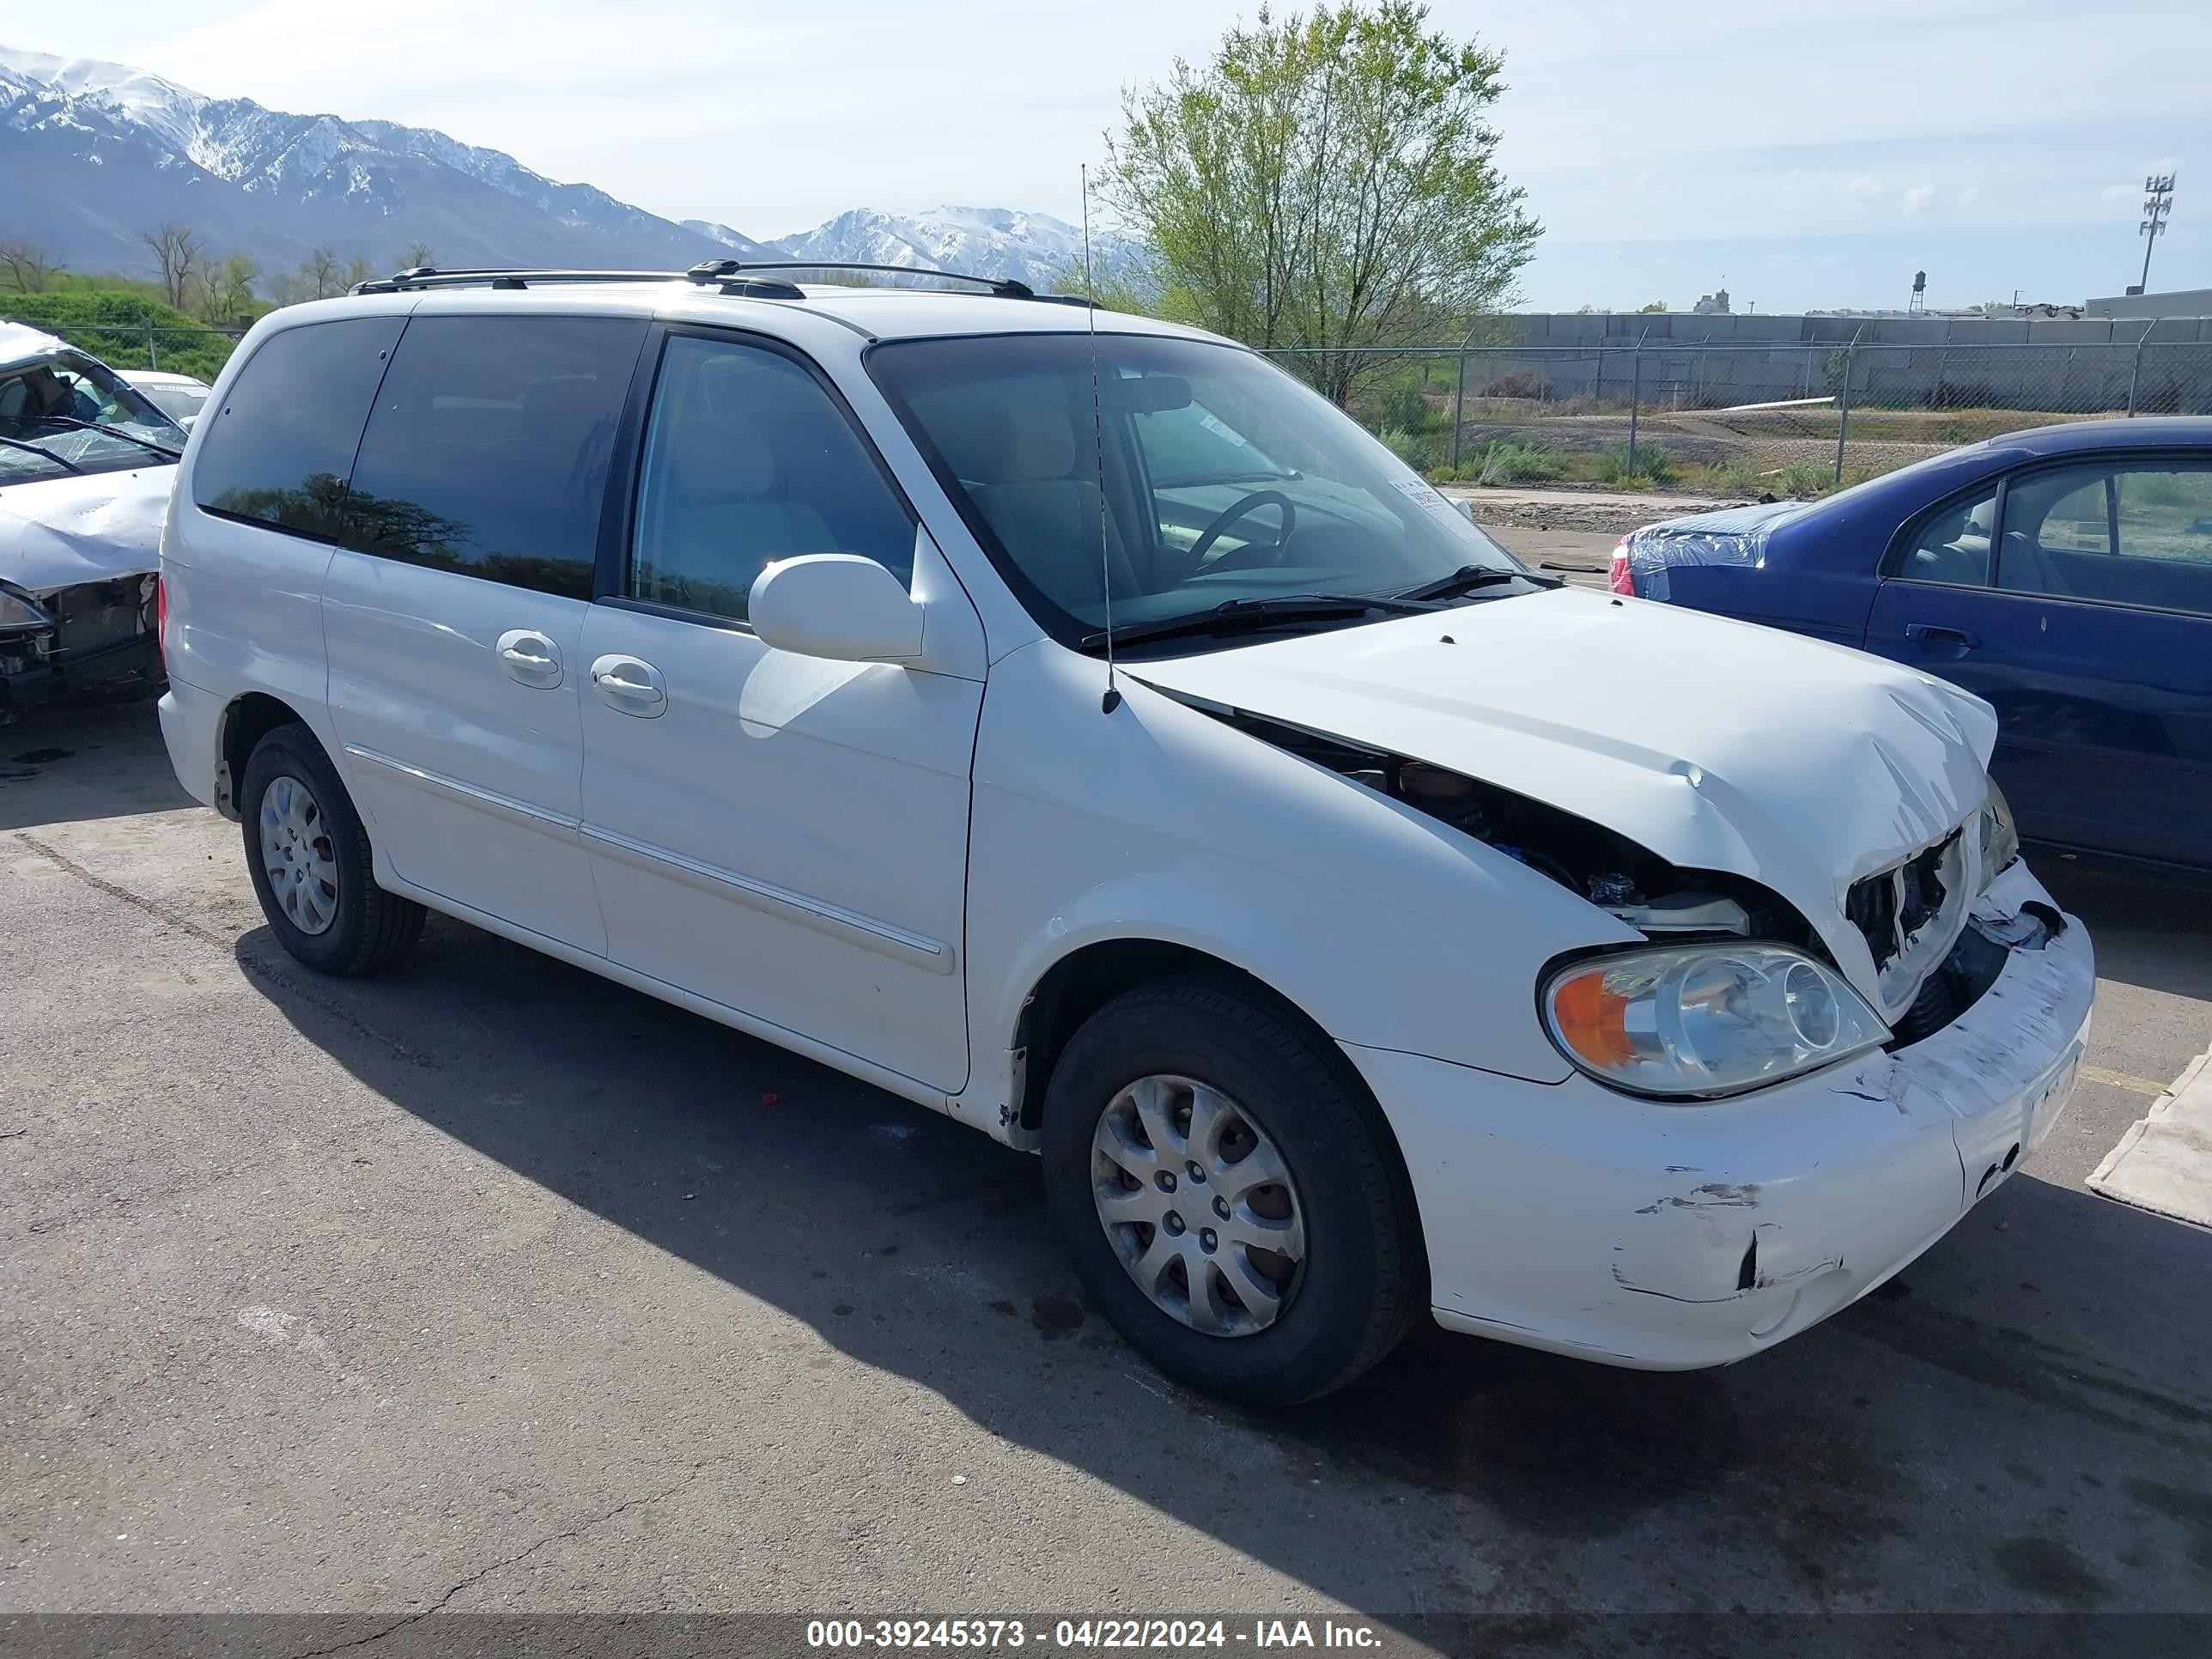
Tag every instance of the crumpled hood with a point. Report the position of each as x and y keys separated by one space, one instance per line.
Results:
x=60 y=531
x=1718 y=745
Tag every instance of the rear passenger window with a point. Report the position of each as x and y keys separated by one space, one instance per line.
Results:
x=488 y=453
x=1954 y=546
x=749 y=460
x=279 y=448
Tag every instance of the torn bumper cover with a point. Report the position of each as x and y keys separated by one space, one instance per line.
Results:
x=1571 y=1218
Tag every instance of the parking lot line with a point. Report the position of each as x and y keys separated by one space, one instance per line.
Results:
x=2128 y=1080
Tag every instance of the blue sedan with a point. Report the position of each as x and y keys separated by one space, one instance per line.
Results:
x=2064 y=573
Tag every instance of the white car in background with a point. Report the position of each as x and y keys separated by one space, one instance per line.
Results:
x=1096 y=737
x=86 y=463
x=179 y=396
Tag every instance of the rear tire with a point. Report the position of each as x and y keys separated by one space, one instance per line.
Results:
x=1341 y=1276
x=308 y=854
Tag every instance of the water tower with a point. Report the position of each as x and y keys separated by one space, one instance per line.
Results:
x=1919 y=294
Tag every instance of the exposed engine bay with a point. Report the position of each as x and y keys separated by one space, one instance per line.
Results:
x=1893 y=910
x=1624 y=880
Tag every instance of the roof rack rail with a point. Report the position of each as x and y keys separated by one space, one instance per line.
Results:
x=429 y=277
x=425 y=276
x=734 y=277
x=1005 y=287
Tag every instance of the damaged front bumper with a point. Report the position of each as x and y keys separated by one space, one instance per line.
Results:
x=92 y=640
x=1572 y=1218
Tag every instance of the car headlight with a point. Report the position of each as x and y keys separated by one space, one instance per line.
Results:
x=19 y=609
x=2000 y=835
x=1693 y=1021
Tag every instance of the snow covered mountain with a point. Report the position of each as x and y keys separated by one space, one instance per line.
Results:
x=1032 y=247
x=735 y=242
x=94 y=153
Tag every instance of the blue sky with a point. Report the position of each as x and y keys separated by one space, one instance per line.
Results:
x=1808 y=154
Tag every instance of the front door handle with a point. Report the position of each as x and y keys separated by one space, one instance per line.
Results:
x=630 y=685
x=530 y=657
x=1935 y=634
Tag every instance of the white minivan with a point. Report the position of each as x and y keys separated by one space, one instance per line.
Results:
x=1070 y=722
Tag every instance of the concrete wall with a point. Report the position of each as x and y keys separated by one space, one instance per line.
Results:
x=2190 y=301
x=2061 y=365
x=1686 y=328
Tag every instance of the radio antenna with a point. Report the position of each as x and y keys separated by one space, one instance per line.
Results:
x=1112 y=700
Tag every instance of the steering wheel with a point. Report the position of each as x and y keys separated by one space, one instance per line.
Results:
x=1235 y=511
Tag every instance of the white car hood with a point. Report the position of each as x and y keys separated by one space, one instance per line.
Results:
x=1718 y=745
x=60 y=531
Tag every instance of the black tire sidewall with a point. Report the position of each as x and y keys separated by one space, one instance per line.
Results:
x=1329 y=1333
x=292 y=751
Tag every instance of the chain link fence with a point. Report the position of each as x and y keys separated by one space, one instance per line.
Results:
x=198 y=351
x=1785 y=418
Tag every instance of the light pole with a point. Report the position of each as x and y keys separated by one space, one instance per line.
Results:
x=2158 y=202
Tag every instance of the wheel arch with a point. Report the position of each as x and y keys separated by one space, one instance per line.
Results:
x=246 y=719
x=1085 y=980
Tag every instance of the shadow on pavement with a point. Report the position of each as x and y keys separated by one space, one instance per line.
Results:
x=2150 y=931
x=73 y=765
x=2022 y=1421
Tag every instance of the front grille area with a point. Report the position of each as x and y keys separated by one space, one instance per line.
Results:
x=97 y=615
x=1910 y=914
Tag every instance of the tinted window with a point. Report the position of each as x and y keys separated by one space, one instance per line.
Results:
x=749 y=460
x=2136 y=534
x=1954 y=546
x=488 y=450
x=280 y=448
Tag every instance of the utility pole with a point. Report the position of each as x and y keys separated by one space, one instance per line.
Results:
x=2158 y=202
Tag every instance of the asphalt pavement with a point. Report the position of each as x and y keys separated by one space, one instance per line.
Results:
x=494 y=1285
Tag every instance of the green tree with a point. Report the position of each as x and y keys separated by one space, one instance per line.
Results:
x=229 y=289
x=1655 y=305
x=1325 y=181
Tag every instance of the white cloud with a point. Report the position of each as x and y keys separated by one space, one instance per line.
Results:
x=1865 y=184
x=1918 y=198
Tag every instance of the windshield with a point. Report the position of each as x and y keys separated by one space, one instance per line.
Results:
x=1223 y=478
x=175 y=401
x=49 y=411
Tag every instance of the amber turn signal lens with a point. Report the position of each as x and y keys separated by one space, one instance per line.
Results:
x=1591 y=1020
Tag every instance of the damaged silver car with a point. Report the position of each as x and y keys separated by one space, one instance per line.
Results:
x=86 y=465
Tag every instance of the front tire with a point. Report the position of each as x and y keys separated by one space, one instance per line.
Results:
x=308 y=854
x=1230 y=1197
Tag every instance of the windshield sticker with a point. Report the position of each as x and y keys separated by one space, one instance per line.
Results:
x=1433 y=503
x=1212 y=424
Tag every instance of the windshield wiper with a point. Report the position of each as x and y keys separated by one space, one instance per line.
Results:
x=1470 y=577
x=113 y=432
x=1242 y=615
x=1203 y=479
x=62 y=461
